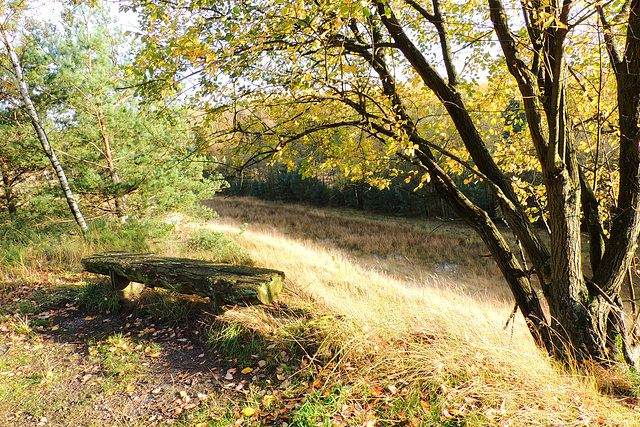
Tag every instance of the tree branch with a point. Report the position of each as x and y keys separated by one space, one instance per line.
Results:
x=525 y=79
x=437 y=20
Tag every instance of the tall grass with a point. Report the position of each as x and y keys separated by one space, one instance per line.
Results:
x=420 y=331
x=432 y=242
x=25 y=250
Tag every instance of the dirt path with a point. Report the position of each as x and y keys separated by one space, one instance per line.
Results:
x=77 y=366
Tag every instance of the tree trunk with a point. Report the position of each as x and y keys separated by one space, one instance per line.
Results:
x=222 y=283
x=42 y=136
x=8 y=190
x=113 y=173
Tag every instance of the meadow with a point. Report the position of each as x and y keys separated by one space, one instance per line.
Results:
x=384 y=322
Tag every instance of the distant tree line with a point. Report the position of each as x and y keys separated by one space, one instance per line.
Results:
x=279 y=184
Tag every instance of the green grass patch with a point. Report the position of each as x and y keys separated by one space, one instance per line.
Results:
x=233 y=341
x=23 y=249
x=216 y=247
x=119 y=357
x=98 y=296
x=166 y=304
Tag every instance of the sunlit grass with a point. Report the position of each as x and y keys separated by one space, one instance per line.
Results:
x=358 y=338
x=439 y=244
x=422 y=332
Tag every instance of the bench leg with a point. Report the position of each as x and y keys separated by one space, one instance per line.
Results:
x=215 y=305
x=118 y=282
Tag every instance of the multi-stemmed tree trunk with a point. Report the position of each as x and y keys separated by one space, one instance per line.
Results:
x=42 y=135
x=345 y=57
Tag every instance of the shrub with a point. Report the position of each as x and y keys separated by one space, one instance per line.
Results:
x=218 y=247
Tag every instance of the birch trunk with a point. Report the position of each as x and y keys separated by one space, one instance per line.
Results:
x=42 y=135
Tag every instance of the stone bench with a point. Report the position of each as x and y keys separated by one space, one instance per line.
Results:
x=221 y=283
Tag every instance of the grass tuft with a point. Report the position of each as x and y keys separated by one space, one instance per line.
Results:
x=97 y=295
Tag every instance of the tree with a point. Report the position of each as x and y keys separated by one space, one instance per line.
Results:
x=89 y=57
x=114 y=146
x=372 y=66
x=26 y=98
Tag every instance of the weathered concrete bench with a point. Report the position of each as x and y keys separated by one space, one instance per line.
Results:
x=221 y=283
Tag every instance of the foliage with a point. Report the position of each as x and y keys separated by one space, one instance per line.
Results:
x=123 y=157
x=56 y=246
x=216 y=247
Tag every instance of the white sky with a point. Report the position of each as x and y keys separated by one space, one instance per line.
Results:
x=49 y=11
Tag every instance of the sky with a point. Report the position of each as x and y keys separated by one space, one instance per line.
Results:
x=49 y=11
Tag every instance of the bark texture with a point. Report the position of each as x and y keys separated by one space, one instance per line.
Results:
x=222 y=283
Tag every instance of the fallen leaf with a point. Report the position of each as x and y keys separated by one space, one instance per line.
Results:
x=262 y=363
x=247 y=370
x=247 y=412
x=425 y=405
x=131 y=388
x=267 y=400
x=376 y=391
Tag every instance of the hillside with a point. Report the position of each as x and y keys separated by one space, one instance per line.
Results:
x=372 y=330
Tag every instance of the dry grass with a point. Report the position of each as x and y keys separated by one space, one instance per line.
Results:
x=420 y=329
x=379 y=336
x=416 y=249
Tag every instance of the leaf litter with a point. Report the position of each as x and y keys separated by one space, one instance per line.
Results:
x=141 y=370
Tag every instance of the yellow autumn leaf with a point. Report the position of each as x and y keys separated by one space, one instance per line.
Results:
x=247 y=370
x=349 y=69
x=247 y=412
